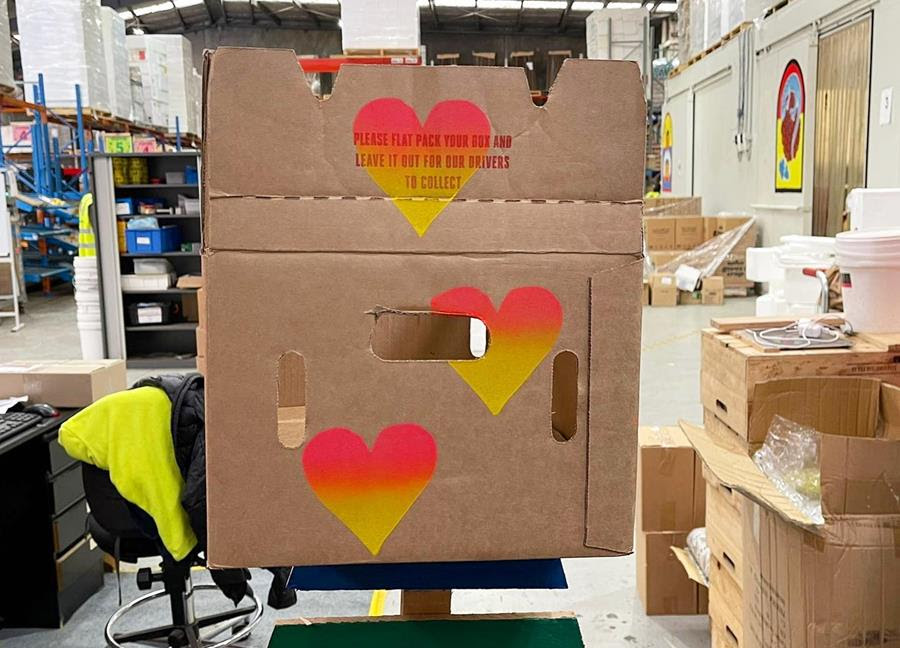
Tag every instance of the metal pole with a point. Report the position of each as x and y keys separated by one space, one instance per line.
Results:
x=177 y=133
x=36 y=147
x=57 y=169
x=45 y=138
x=82 y=149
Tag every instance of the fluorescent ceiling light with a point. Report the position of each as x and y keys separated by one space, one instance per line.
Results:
x=126 y=14
x=464 y=4
x=322 y=2
x=666 y=7
x=137 y=31
x=587 y=6
x=545 y=4
x=181 y=4
x=499 y=4
x=624 y=5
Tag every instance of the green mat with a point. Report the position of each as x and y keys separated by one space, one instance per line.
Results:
x=467 y=631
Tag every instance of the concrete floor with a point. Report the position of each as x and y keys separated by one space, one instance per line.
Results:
x=601 y=591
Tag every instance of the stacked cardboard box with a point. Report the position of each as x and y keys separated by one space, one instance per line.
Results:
x=670 y=503
x=785 y=578
x=663 y=291
x=62 y=383
x=201 y=330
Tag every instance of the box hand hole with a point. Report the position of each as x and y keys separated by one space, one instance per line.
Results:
x=564 y=401
x=722 y=406
x=291 y=400
x=425 y=335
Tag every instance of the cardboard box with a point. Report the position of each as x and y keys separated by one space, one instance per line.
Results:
x=189 y=307
x=201 y=341
x=837 y=583
x=190 y=281
x=663 y=586
x=712 y=291
x=710 y=224
x=673 y=206
x=663 y=291
x=725 y=436
x=5 y=280
x=731 y=372
x=726 y=606
x=689 y=298
x=645 y=297
x=201 y=307
x=659 y=232
x=662 y=257
x=723 y=526
x=688 y=232
x=323 y=305
x=671 y=489
x=63 y=383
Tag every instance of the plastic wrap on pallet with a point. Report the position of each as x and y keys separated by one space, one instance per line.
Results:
x=629 y=30
x=713 y=29
x=180 y=70
x=387 y=24
x=698 y=26
x=6 y=63
x=149 y=56
x=115 y=55
x=62 y=39
x=707 y=258
x=684 y=32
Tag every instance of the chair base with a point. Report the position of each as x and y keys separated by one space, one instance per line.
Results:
x=240 y=621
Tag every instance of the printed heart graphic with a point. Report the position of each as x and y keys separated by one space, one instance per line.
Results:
x=421 y=167
x=370 y=491
x=521 y=334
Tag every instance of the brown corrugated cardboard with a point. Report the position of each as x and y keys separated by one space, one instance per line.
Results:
x=663 y=290
x=671 y=491
x=645 y=297
x=662 y=257
x=673 y=206
x=688 y=232
x=663 y=586
x=689 y=298
x=63 y=383
x=712 y=291
x=726 y=603
x=5 y=280
x=807 y=584
x=189 y=307
x=723 y=527
x=190 y=281
x=710 y=223
x=659 y=232
x=336 y=249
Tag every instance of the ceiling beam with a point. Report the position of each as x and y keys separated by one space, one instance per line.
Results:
x=655 y=6
x=271 y=14
x=434 y=16
x=519 y=15
x=178 y=13
x=311 y=14
x=565 y=14
x=209 y=12
x=252 y=12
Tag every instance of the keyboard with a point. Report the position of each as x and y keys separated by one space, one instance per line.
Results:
x=12 y=423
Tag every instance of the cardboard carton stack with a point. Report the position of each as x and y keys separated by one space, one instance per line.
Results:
x=148 y=61
x=785 y=578
x=670 y=503
x=62 y=383
x=115 y=56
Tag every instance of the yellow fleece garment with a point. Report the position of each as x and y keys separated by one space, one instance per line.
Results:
x=128 y=435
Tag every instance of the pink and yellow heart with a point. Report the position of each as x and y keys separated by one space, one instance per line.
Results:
x=420 y=166
x=370 y=492
x=521 y=334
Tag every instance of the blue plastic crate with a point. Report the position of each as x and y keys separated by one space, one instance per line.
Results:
x=153 y=241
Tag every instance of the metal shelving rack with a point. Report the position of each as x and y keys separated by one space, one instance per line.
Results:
x=171 y=345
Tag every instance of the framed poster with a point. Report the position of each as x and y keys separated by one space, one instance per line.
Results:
x=789 y=129
x=666 y=155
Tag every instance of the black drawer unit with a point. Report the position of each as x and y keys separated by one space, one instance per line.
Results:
x=47 y=553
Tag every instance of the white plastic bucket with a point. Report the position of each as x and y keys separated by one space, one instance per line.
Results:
x=870 y=278
x=90 y=330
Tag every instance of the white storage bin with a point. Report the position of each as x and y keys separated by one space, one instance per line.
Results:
x=152 y=267
x=160 y=281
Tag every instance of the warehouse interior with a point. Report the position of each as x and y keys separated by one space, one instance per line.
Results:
x=428 y=323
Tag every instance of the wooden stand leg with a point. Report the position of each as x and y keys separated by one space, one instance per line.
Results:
x=424 y=602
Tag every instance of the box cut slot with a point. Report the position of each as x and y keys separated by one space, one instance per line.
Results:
x=423 y=335
x=291 y=402
x=564 y=405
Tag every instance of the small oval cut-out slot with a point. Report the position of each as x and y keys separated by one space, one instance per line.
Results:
x=291 y=400
x=731 y=634
x=722 y=406
x=729 y=561
x=423 y=335
x=564 y=402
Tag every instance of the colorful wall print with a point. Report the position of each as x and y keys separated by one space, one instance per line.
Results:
x=665 y=157
x=521 y=334
x=422 y=166
x=370 y=492
x=789 y=130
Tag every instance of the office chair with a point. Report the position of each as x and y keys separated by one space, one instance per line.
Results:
x=126 y=532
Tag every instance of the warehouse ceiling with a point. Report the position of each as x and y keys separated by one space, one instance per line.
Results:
x=491 y=16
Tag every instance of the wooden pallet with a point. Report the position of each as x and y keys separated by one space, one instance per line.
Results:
x=696 y=58
x=71 y=113
x=381 y=52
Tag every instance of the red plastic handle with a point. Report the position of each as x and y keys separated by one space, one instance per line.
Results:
x=810 y=272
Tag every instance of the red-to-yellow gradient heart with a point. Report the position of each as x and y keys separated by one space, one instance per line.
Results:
x=370 y=491
x=521 y=335
x=421 y=167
